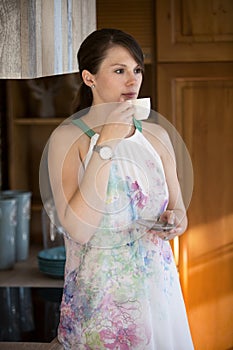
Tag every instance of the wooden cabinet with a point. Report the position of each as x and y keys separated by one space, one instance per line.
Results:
x=194 y=30
x=34 y=109
x=195 y=93
x=198 y=100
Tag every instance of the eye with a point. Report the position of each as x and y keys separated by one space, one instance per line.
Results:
x=119 y=71
x=138 y=70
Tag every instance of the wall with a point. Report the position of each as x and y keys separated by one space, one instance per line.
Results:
x=40 y=38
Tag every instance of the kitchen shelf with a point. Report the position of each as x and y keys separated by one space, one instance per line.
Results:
x=29 y=128
x=39 y=121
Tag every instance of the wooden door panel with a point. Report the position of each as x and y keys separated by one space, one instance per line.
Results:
x=194 y=30
x=200 y=104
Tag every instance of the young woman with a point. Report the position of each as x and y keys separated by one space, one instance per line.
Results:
x=108 y=171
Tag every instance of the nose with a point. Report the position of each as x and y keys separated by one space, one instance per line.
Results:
x=131 y=79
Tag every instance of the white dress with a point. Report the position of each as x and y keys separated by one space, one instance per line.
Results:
x=121 y=289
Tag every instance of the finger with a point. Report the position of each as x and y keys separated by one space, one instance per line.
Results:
x=172 y=217
x=168 y=216
x=168 y=236
x=176 y=231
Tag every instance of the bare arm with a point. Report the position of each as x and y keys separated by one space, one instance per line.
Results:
x=77 y=196
x=80 y=195
x=175 y=212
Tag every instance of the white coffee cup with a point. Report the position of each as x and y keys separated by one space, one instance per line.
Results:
x=142 y=108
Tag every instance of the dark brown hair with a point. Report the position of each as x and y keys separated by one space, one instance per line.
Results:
x=92 y=52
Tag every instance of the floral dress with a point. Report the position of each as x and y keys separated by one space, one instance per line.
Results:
x=121 y=289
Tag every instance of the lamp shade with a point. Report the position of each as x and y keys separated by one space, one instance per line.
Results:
x=41 y=37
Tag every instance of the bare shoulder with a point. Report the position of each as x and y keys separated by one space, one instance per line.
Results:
x=65 y=134
x=156 y=133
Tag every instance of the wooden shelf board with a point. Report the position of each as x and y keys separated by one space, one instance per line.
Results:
x=38 y=121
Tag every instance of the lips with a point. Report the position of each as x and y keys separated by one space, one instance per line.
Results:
x=130 y=95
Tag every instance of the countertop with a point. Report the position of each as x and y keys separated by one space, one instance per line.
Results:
x=27 y=274
x=54 y=345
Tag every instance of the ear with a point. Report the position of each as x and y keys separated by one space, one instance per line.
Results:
x=88 y=78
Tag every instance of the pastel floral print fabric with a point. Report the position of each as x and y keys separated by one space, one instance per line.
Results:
x=121 y=289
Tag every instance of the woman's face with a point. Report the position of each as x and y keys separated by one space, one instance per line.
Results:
x=119 y=77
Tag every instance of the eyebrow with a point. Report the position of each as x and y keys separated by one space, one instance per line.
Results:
x=121 y=64
x=118 y=64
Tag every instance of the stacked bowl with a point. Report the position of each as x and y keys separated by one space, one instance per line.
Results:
x=52 y=261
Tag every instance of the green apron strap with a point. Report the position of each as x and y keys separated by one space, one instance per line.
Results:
x=137 y=124
x=84 y=127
